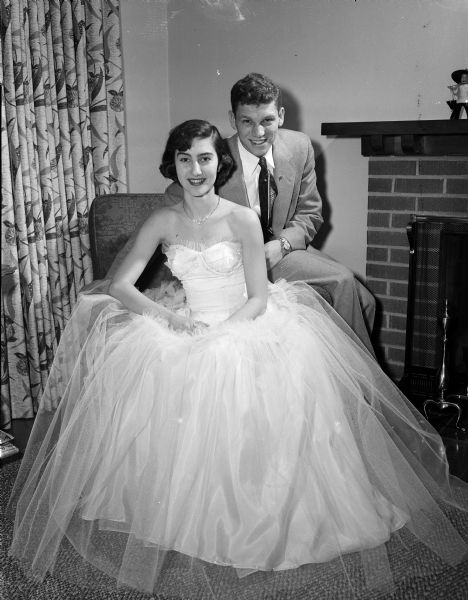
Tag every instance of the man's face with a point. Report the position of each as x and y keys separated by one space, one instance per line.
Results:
x=256 y=126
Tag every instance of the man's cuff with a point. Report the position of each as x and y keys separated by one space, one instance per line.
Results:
x=294 y=237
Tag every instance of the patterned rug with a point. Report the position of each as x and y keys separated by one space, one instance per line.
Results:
x=426 y=579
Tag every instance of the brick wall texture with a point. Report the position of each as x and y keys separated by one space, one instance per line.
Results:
x=398 y=188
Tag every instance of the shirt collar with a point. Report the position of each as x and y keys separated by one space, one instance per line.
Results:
x=250 y=161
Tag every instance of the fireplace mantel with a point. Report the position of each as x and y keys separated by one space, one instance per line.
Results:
x=403 y=138
x=414 y=168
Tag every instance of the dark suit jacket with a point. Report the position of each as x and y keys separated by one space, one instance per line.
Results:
x=297 y=210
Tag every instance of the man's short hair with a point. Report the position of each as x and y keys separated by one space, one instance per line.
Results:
x=255 y=89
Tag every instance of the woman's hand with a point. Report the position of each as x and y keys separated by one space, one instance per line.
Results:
x=199 y=326
x=181 y=323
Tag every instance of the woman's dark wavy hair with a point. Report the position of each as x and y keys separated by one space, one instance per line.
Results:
x=255 y=89
x=181 y=139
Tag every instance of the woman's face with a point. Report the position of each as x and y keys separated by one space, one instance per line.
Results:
x=197 y=167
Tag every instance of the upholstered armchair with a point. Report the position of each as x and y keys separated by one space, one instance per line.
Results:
x=112 y=221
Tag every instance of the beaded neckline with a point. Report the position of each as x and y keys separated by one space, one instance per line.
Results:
x=201 y=220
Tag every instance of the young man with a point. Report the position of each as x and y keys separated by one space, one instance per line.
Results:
x=275 y=176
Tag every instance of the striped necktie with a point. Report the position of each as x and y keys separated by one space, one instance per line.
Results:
x=267 y=192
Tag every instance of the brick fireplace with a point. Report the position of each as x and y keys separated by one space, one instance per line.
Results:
x=415 y=168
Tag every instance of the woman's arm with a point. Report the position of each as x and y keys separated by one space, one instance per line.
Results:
x=122 y=285
x=249 y=232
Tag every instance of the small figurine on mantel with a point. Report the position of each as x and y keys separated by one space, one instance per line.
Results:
x=459 y=93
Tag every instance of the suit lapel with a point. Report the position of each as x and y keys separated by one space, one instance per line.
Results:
x=234 y=189
x=284 y=177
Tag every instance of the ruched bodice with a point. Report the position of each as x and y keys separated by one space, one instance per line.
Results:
x=212 y=276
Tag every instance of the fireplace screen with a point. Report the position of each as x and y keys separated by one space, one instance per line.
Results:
x=438 y=288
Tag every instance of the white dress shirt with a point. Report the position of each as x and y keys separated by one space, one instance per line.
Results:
x=251 y=170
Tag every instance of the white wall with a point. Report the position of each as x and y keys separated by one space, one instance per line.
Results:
x=146 y=64
x=336 y=60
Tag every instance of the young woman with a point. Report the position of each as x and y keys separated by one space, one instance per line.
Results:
x=249 y=429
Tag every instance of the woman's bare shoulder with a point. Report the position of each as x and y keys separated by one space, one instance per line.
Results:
x=238 y=212
x=243 y=220
x=163 y=214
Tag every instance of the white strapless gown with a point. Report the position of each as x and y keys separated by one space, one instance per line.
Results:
x=262 y=445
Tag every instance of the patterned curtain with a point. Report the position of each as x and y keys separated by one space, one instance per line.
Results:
x=63 y=143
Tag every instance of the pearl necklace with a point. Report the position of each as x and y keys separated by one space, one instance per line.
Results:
x=201 y=220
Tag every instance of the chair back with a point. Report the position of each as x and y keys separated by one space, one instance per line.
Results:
x=112 y=220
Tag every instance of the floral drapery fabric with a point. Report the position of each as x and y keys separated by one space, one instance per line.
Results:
x=63 y=143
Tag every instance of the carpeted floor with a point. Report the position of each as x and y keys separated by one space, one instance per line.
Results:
x=426 y=579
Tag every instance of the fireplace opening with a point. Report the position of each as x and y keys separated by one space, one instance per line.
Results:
x=437 y=308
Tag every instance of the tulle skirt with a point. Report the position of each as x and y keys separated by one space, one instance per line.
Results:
x=261 y=446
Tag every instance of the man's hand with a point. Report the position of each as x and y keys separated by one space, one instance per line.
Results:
x=273 y=253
